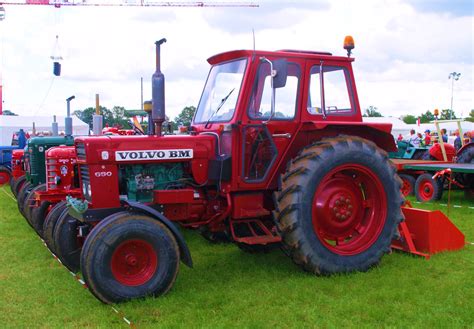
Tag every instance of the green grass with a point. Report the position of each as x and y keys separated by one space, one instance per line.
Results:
x=229 y=288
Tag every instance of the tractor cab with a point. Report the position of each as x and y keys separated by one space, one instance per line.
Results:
x=263 y=107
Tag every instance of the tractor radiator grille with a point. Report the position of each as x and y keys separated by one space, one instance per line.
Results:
x=80 y=151
x=84 y=174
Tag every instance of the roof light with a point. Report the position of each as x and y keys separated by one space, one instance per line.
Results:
x=348 y=44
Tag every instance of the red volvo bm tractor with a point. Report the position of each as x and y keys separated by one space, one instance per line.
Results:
x=277 y=154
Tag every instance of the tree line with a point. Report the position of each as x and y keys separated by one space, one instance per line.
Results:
x=426 y=117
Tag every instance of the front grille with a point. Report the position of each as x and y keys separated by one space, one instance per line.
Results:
x=80 y=151
x=52 y=171
x=85 y=179
x=84 y=170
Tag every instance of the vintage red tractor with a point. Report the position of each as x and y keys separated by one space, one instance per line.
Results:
x=18 y=171
x=277 y=154
x=61 y=181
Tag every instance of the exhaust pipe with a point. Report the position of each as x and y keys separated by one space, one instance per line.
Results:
x=158 y=93
x=68 y=120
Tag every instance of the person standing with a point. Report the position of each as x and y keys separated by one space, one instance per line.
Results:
x=427 y=138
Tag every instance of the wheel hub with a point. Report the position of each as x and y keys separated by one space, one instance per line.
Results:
x=4 y=178
x=134 y=262
x=349 y=209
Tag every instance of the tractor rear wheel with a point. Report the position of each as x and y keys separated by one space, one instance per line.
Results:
x=38 y=215
x=18 y=184
x=29 y=202
x=67 y=244
x=22 y=194
x=129 y=256
x=408 y=184
x=427 y=188
x=50 y=223
x=5 y=175
x=339 y=206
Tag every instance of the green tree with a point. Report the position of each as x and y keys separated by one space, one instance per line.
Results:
x=409 y=119
x=7 y=112
x=185 y=117
x=427 y=117
x=119 y=118
x=471 y=116
x=86 y=115
x=447 y=114
x=371 y=111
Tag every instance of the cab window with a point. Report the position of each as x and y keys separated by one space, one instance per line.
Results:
x=285 y=97
x=337 y=95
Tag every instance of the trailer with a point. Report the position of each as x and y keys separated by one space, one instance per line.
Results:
x=426 y=179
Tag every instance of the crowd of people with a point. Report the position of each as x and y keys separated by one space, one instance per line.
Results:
x=427 y=138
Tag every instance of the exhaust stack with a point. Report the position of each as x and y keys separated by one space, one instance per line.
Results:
x=158 y=93
x=55 y=127
x=68 y=120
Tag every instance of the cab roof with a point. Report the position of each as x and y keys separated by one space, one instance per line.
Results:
x=287 y=53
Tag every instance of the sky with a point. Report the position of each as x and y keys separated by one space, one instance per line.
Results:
x=404 y=50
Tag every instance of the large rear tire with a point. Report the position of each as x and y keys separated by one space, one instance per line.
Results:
x=129 y=256
x=50 y=223
x=339 y=206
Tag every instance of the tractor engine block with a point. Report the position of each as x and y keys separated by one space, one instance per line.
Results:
x=139 y=181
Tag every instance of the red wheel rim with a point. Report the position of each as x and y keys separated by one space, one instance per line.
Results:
x=134 y=262
x=349 y=209
x=406 y=187
x=4 y=177
x=426 y=190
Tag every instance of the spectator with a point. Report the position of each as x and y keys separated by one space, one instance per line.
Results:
x=444 y=135
x=400 y=137
x=427 y=139
x=457 y=141
x=414 y=139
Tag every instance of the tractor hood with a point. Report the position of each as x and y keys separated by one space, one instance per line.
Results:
x=144 y=149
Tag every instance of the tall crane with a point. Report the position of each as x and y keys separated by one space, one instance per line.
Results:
x=133 y=3
x=115 y=3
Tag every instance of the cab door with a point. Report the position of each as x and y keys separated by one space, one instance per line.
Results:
x=266 y=135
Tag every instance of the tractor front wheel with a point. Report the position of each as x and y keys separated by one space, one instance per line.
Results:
x=427 y=188
x=18 y=184
x=22 y=194
x=67 y=243
x=38 y=215
x=50 y=223
x=5 y=175
x=29 y=202
x=408 y=184
x=339 y=206
x=129 y=256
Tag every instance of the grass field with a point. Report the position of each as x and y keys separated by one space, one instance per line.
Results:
x=229 y=288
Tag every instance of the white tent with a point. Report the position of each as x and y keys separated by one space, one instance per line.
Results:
x=10 y=124
x=450 y=127
x=398 y=126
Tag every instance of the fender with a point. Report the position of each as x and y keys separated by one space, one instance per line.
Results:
x=183 y=247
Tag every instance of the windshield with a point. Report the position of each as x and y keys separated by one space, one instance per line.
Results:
x=220 y=94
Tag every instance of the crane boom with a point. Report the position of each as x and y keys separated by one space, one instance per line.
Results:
x=129 y=3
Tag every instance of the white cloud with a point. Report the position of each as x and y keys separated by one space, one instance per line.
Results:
x=403 y=54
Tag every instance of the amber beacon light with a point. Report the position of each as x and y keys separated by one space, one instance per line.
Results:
x=349 y=44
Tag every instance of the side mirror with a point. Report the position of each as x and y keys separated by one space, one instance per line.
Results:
x=280 y=66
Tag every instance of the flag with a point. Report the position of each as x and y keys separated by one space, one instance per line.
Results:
x=137 y=124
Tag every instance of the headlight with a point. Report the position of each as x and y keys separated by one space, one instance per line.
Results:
x=57 y=180
x=89 y=191
x=84 y=189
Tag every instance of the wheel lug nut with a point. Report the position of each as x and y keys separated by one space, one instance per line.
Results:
x=348 y=200
x=349 y=207
x=337 y=203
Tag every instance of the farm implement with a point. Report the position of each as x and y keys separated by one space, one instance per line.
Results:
x=271 y=159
